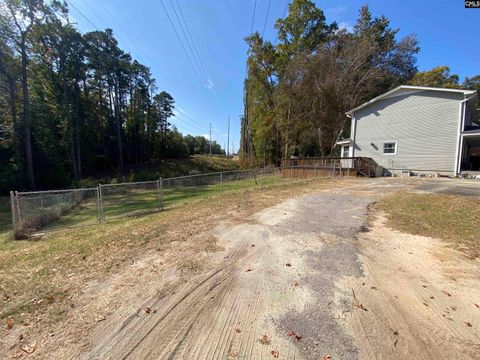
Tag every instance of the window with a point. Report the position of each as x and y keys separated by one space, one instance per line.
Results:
x=390 y=147
x=346 y=151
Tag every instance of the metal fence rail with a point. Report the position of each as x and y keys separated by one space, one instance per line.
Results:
x=41 y=211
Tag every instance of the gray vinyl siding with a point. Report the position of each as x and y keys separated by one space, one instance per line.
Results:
x=424 y=124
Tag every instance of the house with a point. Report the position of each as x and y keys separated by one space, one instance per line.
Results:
x=417 y=129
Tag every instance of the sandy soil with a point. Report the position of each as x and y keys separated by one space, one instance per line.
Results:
x=313 y=277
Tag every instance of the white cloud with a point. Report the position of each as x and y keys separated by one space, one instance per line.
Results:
x=345 y=25
x=336 y=10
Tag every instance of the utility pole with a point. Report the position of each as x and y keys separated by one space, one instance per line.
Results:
x=228 y=137
x=210 y=142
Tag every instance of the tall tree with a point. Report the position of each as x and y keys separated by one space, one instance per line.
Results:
x=437 y=77
x=17 y=26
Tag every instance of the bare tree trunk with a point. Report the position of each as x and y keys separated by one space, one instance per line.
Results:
x=26 y=116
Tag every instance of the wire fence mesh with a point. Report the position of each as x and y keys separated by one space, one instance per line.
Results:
x=50 y=210
x=41 y=211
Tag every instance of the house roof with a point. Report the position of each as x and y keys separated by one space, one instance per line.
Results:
x=409 y=87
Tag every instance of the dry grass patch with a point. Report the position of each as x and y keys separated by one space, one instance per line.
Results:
x=453 y=218
x=42 y=280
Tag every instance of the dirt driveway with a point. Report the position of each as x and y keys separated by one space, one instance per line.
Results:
x=314 y=277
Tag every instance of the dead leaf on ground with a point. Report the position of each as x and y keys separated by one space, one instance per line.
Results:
x=373 y=287
x=326 y=357
x=29 y=349
x=477 y=306
x=148 y=310
x=288 y=264
x=264 y=340
x=10 y=322
x=248 y=270
x=468 y=323
x=237 y=330
x=274 y=353
x=446 y=293
x=293 y=334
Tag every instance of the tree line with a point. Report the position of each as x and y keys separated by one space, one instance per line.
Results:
x=297 y=91
x=74 y=104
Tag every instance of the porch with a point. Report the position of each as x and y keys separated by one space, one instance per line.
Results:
x=470 y=154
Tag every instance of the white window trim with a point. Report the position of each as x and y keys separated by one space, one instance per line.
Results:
x=389 y=142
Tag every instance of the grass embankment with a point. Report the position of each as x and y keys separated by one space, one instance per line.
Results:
x=44 y=276
x=197 y=164
x=455 y=219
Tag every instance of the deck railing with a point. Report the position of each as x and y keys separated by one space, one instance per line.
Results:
x=360 y=165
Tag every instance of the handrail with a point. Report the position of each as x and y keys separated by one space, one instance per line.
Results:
x=363 y=165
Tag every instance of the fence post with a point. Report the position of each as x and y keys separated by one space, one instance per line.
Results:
x=99 y=213
x=160 y=192
x=100 y=195
x=17 y=203
x=12 y=205
x=221 y=180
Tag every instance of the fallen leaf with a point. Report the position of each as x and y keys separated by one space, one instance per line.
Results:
x=274 y=353
x=446 y=293
x=432 y=297
x=373 y=288
x=468 y=323
x=248 y=270
x=10 y=322
x=292 y=333
x=29 y=349
x=237 y=330
x=253 y=245
x=477 y=306
x=100 y=318
x=264 y=340
x=326 y=357
x=288 y=264
x=148 y=310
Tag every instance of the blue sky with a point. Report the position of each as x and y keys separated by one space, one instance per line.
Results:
x=448 y=35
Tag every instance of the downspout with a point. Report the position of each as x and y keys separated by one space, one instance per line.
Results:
x=461 y=126
x=352 y=132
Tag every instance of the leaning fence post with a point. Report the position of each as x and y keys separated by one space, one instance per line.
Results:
x=12 y=205
x=18 y=210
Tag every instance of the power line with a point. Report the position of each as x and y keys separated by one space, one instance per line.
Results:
x=82 y=15
x=185 y=51
x=266 y=17
x=98 y=29
x=253 y=17
x=188 y=124
x=202 y=67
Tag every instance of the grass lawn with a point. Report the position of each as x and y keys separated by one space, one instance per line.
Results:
x=5 y=215
x=143 y=201
x=453 y=218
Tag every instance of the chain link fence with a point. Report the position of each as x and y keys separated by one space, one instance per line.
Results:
x=41 y=211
